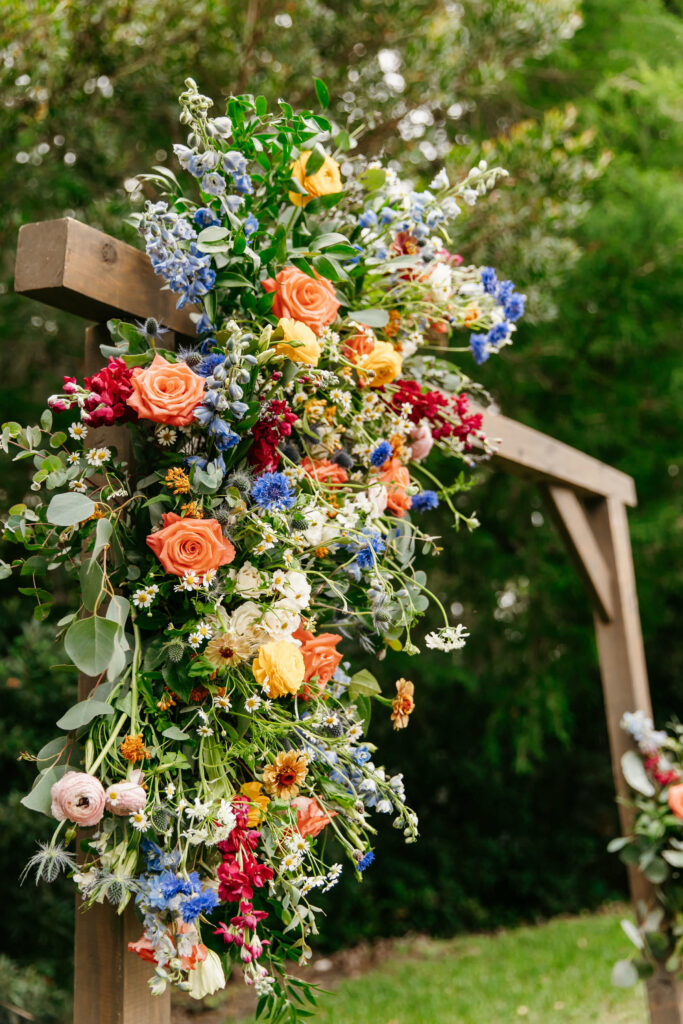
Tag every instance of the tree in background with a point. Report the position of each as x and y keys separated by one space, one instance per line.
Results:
x=511 y=773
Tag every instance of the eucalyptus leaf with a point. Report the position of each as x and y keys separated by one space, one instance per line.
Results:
x=83 y=713
x=624 y=974
x=39 y=798
x=635 y=775
x=92 y=579
x=370 y=317
x=90 y=643
x=632 y=933
x=69 y=509
x=174 y=733
x=673 y=857
x=103 y=532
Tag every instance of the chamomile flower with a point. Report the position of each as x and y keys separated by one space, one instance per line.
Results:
x=354 y=733
x=252 y=703
x=195 y=640
x=73 y=458
x=144 y=597
x=139 y=821
x=208 y=577
x=78 y=431
x=222 y=701
x=170 y=791
x=291 y=861
x=165 y=436
x=190 y=581
x=79 y=486
x=97 y=456
x=204 y=730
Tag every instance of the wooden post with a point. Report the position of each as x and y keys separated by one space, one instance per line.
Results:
x=110 y=984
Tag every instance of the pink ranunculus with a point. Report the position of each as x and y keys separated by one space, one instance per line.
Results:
x=423 y=441
x=128 y=796
x=78 y=797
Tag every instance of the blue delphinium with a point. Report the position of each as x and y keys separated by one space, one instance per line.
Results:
x=273 y=491
x=205 y=217
x=213 y=184
x=371 y=545
x=242 y=184
x=250 y=225
x=166 y=890
x=381 y=453
x=234 y=162
x=425 y=500
x=366 y=861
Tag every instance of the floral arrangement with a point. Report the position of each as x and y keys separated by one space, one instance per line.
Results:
x=234 y=509
x=654 y=773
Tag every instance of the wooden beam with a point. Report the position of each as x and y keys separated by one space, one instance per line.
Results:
x=572 y=523
x=71 y=266
x=529 y=453
x=625 y=688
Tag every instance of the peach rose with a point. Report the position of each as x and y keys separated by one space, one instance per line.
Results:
x=306 y=348
x=384 y=361
x=320 y=655
x=310 y=817
x=675 y=798
x=324 y=182
x=78 y=797
x=311 y=300
x=166 y=392
x=325 y=472
x=190 y=544
x=397 y=478
x=279 y=668
x=127 y=797
x=421 y=436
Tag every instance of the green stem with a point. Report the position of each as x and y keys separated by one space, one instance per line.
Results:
x=107 y=747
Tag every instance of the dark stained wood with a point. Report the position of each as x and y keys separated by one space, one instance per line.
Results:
x=110 y=984
x=71 y=266
x=572 y=523
x=529 y=453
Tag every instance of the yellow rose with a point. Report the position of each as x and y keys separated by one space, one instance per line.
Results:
x=325 y=181
x=386 y=363
x=279 y=668
x=308 y=348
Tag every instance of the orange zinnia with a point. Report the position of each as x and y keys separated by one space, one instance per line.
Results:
x=403 y=704
x=283 y=777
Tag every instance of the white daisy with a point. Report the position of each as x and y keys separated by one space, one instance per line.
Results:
x=142 y=598
x=195 y=640
x=222 y=701
x=165 y=436
x=170 y=790
x=209 y=577
x=73 y=458
x=79 y=486
x=139 y=821
x=252 y=703
x=190 y=581
x=204 y=730
x=78 y=431
x=98 y=456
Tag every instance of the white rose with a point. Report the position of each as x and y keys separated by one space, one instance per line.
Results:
x=245 y=622
x=377 y=495
x=297 y=589
x=281 y=620
x=248 y=581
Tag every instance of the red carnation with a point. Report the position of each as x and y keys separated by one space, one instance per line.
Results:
x=109 y=389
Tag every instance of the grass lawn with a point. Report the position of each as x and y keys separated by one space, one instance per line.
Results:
x=554 y=973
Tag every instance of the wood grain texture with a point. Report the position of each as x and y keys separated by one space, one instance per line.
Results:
x=569 y=516
x=529 y=453
x=110 y=984
x=71 y=266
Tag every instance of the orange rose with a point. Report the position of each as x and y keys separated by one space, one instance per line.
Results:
x=397 y=478
x=325 y=472
x=675 y=798
x=166 y=392
x=358 y=345
x=311 y=300
x=310 y=817
x=321 y=657
x=324 y=182
x=196 y=545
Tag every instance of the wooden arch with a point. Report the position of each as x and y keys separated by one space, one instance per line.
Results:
x=73 y=267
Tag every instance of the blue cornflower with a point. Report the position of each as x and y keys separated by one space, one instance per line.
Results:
x=250 y=225
x=242 y=184
x=504 y=291
x=213 y=184
x=514 y=307
x=366 y=861
x=209 y=364
x=368 y=219
x=273 y=491
x=382 y=452
x=489 y=279
x=198 y=903
x=205 y=217
x=174 y=885
x=498 y=333
x=425 y=500
x=372 y=545
x=480 y=347
x=156 y=858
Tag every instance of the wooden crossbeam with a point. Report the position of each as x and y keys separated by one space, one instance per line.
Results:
x=71 y=266
x=573 y=524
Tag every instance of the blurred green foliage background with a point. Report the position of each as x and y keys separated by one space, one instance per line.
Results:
x=507 y=760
